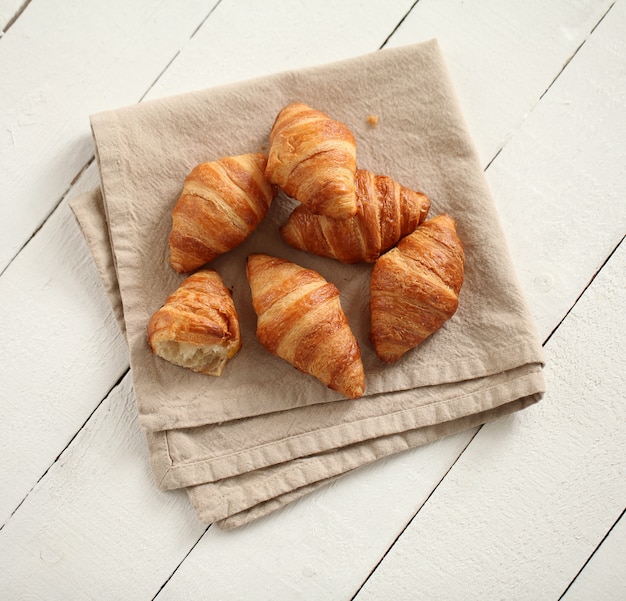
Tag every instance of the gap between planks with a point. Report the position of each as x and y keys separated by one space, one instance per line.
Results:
x=15 y=17
x=567 y=62
x=59 y=202
x=410 y=521
x=593 y=277
x=395 y=540
x=591 y=280
x=569 y=586
x=68 y=445
x=91 y=159
x=408 y=12
x=180 y=563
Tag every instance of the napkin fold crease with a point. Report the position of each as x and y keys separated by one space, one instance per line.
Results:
x=263 y=435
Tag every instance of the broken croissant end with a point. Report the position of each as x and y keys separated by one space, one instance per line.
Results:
x=414 y=288
x=300 y=320
x=198 y=326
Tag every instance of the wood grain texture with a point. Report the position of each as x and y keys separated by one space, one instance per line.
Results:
x=60 y=63
x=564 y=152
x=66 y=350
x=502 y=61
x=94 y=527
x=534 y=494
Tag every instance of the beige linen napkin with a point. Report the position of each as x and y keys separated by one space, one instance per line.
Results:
x=263 y=433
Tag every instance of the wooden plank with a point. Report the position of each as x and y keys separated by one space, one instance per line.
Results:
x=274 y=35
x=531 y=497
x=60 y=62
x=318 y=547
x=500 y=59
x=604 y=576
x=534 y=181
x=59 y=545
x=62 y=322
x=453 y=501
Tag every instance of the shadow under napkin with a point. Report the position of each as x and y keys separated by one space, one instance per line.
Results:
x=231 y=431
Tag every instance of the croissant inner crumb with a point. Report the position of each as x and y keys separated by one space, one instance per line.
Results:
x=206 y=358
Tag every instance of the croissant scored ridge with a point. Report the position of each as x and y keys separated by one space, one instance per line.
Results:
x=197 y=327
x=414 y=287
x=300 y=320
x=221 y=204
x=386 y=212
x=312 y=158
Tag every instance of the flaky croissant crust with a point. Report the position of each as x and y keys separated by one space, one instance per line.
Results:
x=386 y=212
x=312 y=158
x=221 y=204
x=200 y=314
x=300 y=319
x=414 y=288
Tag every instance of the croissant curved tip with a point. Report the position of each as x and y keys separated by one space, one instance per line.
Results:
x=389 y=357
x=446 y=220
x=352 y=384
x=356 y=393
x=257 y=258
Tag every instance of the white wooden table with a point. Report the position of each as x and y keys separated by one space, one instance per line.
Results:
x=529 y=507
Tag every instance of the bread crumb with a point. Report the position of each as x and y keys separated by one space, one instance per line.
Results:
x=372 y=120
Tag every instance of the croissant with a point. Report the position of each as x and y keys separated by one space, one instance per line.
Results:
x=221 y=204
x=312 y=158
x=414 y=287
x=386 y=212
x=300 y=319
x=198 y=326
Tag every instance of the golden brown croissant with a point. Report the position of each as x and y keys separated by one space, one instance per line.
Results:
x=301 y=320
x=313 y=159
x=386 y=212
x=221 y=204
x=198 y=326
x=414 y=287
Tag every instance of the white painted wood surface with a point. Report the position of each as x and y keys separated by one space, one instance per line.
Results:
x=603 y=576
x=543 y=87
x=530 y=499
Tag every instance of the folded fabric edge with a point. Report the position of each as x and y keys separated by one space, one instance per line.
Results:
x=517 y=351
x=263 y=495
x=89 y=211
x=529 y=381
x=271 y=505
